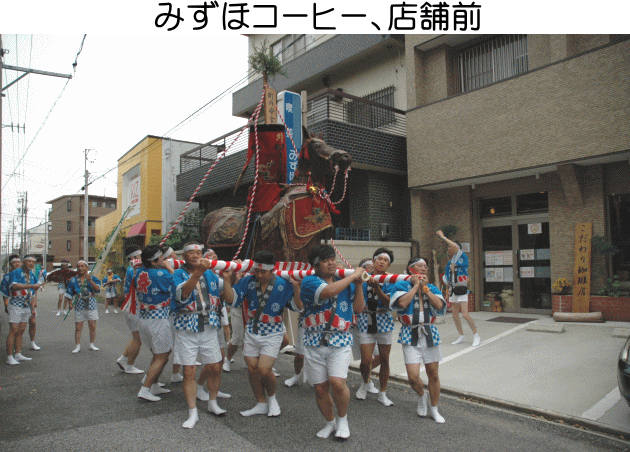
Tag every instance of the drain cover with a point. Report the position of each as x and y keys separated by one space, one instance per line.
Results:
x=510 y=320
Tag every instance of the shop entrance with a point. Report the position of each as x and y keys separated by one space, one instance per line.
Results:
x=515 y=254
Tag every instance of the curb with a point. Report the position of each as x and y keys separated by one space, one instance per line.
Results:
x=548 y=415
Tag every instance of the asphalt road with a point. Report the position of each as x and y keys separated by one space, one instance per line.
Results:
x=65 y=402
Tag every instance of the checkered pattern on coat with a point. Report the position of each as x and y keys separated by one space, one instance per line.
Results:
x=337 y=339
x=265 y=328
x=154 y=313
x=384 y=322
x=405 y=335
x=190 y=322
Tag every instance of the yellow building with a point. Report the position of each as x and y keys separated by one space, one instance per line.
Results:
x=146 y=185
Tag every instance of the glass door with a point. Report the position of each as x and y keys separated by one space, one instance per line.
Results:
x=498 y=274
x=534 y=265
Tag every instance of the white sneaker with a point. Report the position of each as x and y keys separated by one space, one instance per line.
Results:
x=226 y=366
x=459 y=340
x=476 y=340
x=362 y=392
x=21 y=357
x=34 y=346
x=12 y=361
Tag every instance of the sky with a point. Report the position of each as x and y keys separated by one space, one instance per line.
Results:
x=125 y=87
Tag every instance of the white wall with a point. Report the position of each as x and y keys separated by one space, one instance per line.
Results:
x=171 y=208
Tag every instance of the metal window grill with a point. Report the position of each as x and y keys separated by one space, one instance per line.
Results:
x=370 y=116
x=360 y=235
x=491 y=61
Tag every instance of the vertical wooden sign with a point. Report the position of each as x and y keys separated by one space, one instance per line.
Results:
x=582 y=267
x=270 y=106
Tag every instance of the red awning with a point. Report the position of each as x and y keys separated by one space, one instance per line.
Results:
x=137 y=229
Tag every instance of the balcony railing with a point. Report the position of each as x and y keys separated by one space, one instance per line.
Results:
x=342 y=107
x=324 y=105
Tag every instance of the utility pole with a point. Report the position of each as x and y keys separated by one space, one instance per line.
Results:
x=85 y=211
x=26 y=71
x=25 y=239
x=45 y=240
x=21 y=234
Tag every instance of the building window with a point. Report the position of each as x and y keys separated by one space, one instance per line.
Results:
x=68 y=245
x=156 y=231
x=619 y=220
x=69 y=205
x=371 y=116
x=491 y=61
x=110 y=205
x=495 y=207
x=291 y=46
x=91 y=221
x=69 y=226
x=95 y=204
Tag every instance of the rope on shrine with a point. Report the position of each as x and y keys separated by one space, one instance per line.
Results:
x=223 y=154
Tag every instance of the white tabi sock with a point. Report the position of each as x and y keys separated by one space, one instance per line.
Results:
x=145 y=393
x=362 y=391
x=274 y=408
x=295 y=379
x=202 y=394
x=260 y=408
x=93 y=347
x=77 y=349
x=157 y=389
x=34 y=346
x=436 y=416
x=176 y=378
x=343 y=430
x=324 y=433
x=213 y=407
x=21 y=357
x=422 y=405
x=459 y=340
x=371 y=388
x=382 y=397
x=223 y=395
x=192 y=420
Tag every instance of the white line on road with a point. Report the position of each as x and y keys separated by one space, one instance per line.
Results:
x=600 y=408
x=483 y=342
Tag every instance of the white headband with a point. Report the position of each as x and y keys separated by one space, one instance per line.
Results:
x=367 y=263
x=193 y=247
x=15 y=259
x=134 y=254
x=156 y=255
x=82 y=261
x=168 y=251
x=385 y=255
x=418 y=261
x=258 y=266
x=208 y=251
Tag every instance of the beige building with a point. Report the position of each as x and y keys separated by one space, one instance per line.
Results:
x=66 y=218
x=514 y=140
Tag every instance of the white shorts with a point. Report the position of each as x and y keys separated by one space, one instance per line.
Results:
x=221 y=337
x=238 y=329
x=85 y=314
x=256 y=345
x=133 y=322
x=421 y=353
x=157 y=334
x=324 y=362
x=189 y=344
x=299 y=343
x=376 y=338
x=18 y=315
x=110 y=292
x=458 y=298
x=61 y=291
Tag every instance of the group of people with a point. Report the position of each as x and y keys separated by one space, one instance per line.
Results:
x=179 y=307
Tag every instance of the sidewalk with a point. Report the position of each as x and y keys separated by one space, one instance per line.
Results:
x=568 y=373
